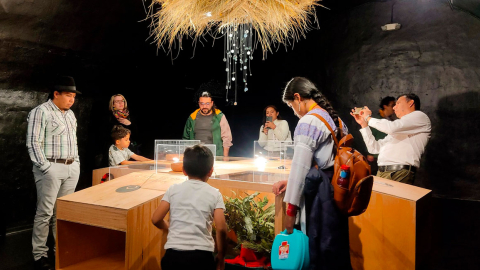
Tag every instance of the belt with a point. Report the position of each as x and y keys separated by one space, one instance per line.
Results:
x=67 y=161
x=396 y=168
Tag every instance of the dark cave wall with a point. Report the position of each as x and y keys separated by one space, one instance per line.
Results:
x=104 y=46
x=39 y=40
x=436 y=55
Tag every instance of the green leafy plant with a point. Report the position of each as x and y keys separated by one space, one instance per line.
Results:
x=252 y=221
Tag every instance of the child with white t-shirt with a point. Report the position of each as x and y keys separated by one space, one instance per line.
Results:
x=193 y=206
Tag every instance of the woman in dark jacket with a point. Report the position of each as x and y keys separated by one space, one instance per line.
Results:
x=120 y=115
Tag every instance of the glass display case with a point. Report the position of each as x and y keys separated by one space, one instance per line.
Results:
x=121 y=170
x=271 y=163
x=170 y=142
x=165 y=154
x=254 y=176
x=273 y=150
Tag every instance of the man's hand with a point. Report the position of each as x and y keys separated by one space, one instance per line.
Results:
x=366 y=111
x=270 y=125
x=370 y=158
x=289 y=223
x=279 y=187
x=359 y=118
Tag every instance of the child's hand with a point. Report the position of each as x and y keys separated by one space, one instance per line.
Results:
x=220 y=261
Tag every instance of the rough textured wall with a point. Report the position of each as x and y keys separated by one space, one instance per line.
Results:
x=38 y=40
x=435 y=55
x=102 y=44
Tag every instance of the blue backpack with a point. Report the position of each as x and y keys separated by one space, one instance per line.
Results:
x=290 y=251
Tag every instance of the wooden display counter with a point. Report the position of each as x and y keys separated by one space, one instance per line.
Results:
x=393 y=232
x=98 y=226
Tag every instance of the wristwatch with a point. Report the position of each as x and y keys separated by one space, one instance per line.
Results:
x=366 y=118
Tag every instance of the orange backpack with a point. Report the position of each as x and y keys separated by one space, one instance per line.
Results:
x=354 y=200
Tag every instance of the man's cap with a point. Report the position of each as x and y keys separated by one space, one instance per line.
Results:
x=65 y=84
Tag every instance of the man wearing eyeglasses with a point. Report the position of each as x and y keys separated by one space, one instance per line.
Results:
x=209 y=125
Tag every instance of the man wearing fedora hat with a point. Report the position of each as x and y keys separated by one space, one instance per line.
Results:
x=52 y=146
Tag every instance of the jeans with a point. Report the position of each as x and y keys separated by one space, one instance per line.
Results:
x=58 y=181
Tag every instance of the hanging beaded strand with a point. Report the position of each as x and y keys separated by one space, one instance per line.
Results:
x=238 y=50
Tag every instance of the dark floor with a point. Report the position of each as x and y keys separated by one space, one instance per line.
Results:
x=16 y=250
x=455 y=235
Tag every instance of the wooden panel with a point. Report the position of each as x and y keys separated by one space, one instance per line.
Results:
x=162 y=181
x=79 y=243
x=397 y=189
x=384 y=236
x=112 y=261
x=261 y=187
x=280 y=211
x=144 y=241
x=97 y=175
x=105 y=194
x=117 y=172
x=100 y=216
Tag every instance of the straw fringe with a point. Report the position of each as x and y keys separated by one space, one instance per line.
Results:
x=275 y=21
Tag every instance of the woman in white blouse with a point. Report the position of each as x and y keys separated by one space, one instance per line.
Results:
x=274 y=131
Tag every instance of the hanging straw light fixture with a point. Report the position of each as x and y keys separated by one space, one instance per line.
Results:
x=241 y=22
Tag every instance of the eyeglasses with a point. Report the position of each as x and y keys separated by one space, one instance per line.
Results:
x=204 y=103
x=118 y=101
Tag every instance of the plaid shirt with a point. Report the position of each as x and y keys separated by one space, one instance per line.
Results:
x=51 y=134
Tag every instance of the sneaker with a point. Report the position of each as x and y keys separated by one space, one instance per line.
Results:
x=43 y=264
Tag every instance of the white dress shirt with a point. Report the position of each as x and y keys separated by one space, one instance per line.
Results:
x=405 y=142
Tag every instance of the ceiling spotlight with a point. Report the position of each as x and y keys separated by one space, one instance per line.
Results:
x=391 y=26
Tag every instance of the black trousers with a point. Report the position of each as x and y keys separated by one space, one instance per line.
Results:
x=188 y=259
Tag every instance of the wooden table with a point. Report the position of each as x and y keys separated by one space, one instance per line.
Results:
x=99 y=228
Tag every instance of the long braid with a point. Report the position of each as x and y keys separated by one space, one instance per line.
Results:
x=307 y=89
x=323 y=102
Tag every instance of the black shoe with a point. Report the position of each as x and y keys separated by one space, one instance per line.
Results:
x=43 y=264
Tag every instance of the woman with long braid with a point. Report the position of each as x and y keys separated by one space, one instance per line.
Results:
x=309 y=189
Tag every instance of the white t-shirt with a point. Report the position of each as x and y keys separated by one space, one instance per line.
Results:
x=405 y=142
x=192 y=204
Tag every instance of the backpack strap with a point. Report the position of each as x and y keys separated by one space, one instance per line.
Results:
x=329 y=128
x=340 y=126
